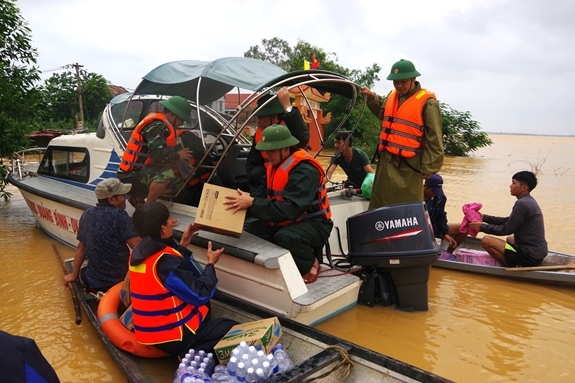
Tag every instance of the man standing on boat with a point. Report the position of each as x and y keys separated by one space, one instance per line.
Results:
x=170 y=295
x=104 y=231
x=150 y=157
x=295 y=214
x=525 y=244
x=275 y=112
x=410 y=142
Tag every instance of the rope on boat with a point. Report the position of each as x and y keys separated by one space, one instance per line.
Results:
x=99 y=295
x=345 y=364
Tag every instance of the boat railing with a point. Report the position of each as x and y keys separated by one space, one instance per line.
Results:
x=26 y=162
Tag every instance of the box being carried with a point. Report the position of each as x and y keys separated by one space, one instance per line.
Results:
x=262 y=334
x=213 y=216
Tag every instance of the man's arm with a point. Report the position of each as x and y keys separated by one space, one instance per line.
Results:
x=505 y=226
x=79 y=258
x=330 y=171
x=432 y=156
x=132 y=242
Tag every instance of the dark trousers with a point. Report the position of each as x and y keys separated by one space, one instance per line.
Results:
x=299 y=238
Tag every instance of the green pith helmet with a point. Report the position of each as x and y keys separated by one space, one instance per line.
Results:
x=276 y=137
x=403 y=69
x=179 y=106
x=273 y=107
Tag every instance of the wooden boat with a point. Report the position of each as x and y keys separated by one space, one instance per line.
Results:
x=253 y=270
x=314 y=352
x=556 y=268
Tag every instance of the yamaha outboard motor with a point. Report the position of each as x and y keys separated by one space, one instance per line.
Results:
x=398 y=238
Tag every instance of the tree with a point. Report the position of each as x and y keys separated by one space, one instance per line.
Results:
x=461 y=134
x=60 y=97
x=18 y=97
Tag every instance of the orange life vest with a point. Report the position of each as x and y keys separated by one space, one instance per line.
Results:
x=277 y=179
x=402 y=129
x=158 y=314
x=257 y=139
x=137 y=154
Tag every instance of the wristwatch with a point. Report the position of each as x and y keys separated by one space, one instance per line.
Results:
x=288 y=109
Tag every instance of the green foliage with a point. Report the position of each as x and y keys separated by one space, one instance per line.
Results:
x=278 y=52
x=3 y=182
x=61 y=97
x=18 y=98
x=461 y=134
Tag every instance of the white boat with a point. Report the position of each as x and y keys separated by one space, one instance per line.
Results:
x=252 y=270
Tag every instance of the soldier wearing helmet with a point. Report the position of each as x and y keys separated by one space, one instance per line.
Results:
x=411 y=140
x=150 y=157
x=273 y=111
x=295 y=214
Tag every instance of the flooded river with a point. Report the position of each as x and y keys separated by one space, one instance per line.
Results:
x=477 y=329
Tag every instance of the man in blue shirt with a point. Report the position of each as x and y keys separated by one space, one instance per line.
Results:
x=103 y=233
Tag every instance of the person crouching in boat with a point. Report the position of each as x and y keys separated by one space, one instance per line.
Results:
x=525 y=244
x=170 y=297
x=103 y=232
x=435 y=201
x=150 y=157
x=296 y=214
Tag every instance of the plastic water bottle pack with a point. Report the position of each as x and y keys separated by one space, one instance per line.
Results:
x=246 y=364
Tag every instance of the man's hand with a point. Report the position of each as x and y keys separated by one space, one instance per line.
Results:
x=213 y=255
x=68 y=278
x=284 y=97
x=475 y=225
x=238 y=202
x=451 y=241
x=190 y=232
x=185 y=154
x=367 y=92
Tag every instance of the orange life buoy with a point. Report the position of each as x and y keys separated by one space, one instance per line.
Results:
x=119 y=335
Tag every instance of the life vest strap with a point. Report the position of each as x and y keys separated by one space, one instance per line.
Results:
x=138 y=142
x=154 y=297
x=170 y=326
x=166 y=312
x=401 y=147
x=412 y=124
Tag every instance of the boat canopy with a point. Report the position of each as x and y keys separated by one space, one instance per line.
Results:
x=211 y=80
x=214 y=78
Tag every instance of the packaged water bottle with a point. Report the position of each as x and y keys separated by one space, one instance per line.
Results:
x=284 y=361
x=274 y=368
x=252 y=352
x=233 y=366
x=251 y=375
x=260 y=375
x=245 y=359
x=209 y=365
x=267 y=370
x=261 y=355
x=241 y=372
x=182 y=375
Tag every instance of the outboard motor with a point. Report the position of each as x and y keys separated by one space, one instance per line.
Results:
x=398 y=238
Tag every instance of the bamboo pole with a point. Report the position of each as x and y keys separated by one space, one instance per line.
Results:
x=537 y=268
x=72 y=291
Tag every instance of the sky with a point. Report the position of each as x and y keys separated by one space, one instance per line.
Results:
x=509 y=63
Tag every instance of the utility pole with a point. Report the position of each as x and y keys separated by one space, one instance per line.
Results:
x=80 y=104
x=80 y=119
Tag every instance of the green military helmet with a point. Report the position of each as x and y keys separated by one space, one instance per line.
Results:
x=276 y=137
x=271 y=108
x=402 y=70
x=179 y=106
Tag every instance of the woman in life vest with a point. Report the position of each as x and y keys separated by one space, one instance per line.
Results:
x=410 y=144
x=170 y=295
x=295 y=214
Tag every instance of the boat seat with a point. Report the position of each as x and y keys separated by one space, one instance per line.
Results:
x=232 y=168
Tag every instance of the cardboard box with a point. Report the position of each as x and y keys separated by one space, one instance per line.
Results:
x=263 y=335
x=213 y=216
